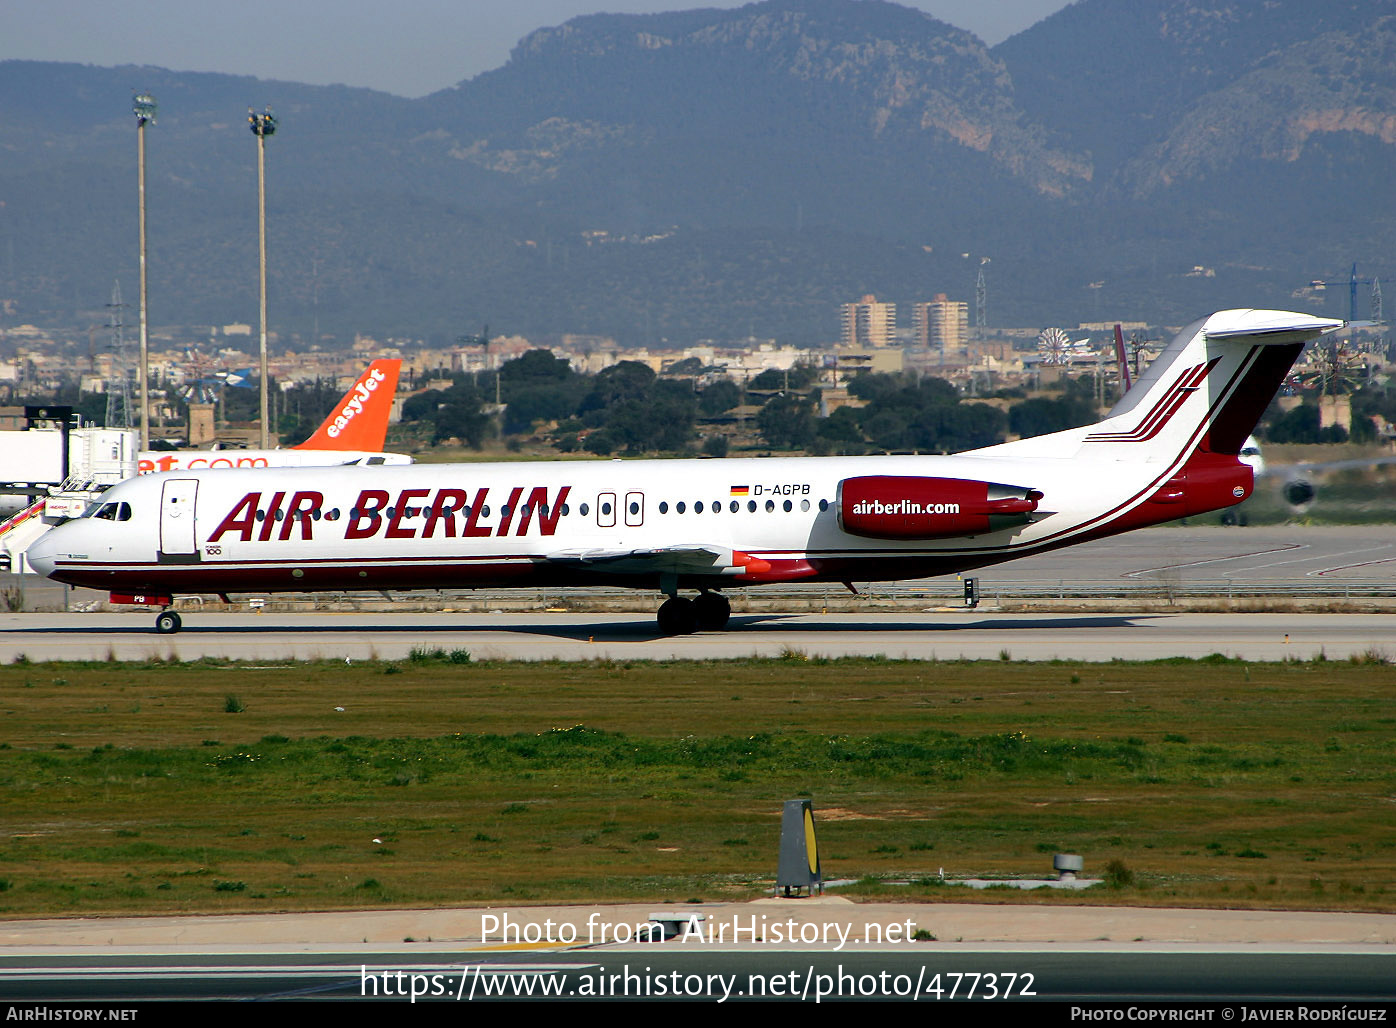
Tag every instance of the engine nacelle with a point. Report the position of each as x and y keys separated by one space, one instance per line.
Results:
x=907 y=507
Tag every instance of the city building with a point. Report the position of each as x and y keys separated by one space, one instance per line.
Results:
x=941 y=324
x=868 y=323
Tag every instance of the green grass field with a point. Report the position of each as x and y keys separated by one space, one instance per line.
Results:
x=159 y=788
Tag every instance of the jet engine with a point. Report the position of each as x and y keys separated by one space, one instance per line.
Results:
x=907 y=507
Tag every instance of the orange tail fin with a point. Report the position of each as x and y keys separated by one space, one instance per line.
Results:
x=360 y=420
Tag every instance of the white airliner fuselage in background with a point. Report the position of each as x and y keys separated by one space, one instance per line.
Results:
x=1169 y=449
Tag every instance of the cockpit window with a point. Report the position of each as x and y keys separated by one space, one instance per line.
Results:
x=114 y=512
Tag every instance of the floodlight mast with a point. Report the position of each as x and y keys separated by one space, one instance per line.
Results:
x=262 y=125
x=144 y=108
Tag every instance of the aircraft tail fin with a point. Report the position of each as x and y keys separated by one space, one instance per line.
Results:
x=1210 y=386
x=1206 y=391
x=1122 y=359
x=359 y=421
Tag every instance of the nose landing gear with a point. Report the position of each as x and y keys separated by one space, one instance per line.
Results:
x=167 y=622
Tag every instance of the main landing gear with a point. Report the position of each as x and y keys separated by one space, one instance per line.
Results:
x=167 y=622
x=708 y=612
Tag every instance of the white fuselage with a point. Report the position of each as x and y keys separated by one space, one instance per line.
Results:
x=485 y=524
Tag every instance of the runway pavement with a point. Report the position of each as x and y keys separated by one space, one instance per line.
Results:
x=939 y=635
x=1298 y=556
x=839 y=950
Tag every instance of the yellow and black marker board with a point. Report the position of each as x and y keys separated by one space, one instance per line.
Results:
x=799 y=849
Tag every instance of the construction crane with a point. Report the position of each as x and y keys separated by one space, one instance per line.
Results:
x=1352 y=283
x=482 y=341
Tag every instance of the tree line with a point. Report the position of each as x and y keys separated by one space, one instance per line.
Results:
x=628 y=408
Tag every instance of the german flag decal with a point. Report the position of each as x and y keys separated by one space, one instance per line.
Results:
x=740 y=490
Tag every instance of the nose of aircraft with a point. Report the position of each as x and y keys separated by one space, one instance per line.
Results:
x=42 y=554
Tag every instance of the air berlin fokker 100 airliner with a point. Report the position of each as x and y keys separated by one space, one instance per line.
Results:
x=1168 y=449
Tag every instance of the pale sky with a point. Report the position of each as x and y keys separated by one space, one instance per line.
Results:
x=408 y=47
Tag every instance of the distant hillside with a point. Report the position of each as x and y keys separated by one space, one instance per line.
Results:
x=715 y=173
x=1113 y=77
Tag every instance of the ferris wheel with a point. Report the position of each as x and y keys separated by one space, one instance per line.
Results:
x=1055 y=347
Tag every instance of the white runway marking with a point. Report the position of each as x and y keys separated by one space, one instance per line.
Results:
x=1214 y=560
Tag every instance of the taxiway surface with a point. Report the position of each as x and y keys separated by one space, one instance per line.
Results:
x=943 y=635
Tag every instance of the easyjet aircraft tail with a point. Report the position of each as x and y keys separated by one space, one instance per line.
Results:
x=360 y=420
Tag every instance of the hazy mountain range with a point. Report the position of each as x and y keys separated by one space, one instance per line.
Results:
x=715 y=173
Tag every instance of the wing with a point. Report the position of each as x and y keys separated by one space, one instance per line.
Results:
x=695 y=559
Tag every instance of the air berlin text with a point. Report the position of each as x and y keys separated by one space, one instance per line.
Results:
x=414 y=514
x=904 y=507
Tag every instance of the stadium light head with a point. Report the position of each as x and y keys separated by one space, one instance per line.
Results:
x=263 y=124
x=143 y=107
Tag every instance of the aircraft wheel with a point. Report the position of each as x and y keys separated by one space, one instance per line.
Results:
x=167 y=622
x=677 y=617
x=712 y=611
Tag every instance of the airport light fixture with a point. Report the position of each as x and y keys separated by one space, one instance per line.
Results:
x=263 y=125
x=144 y=108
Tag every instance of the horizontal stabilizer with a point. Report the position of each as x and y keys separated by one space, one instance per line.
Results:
x=1267 y=327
